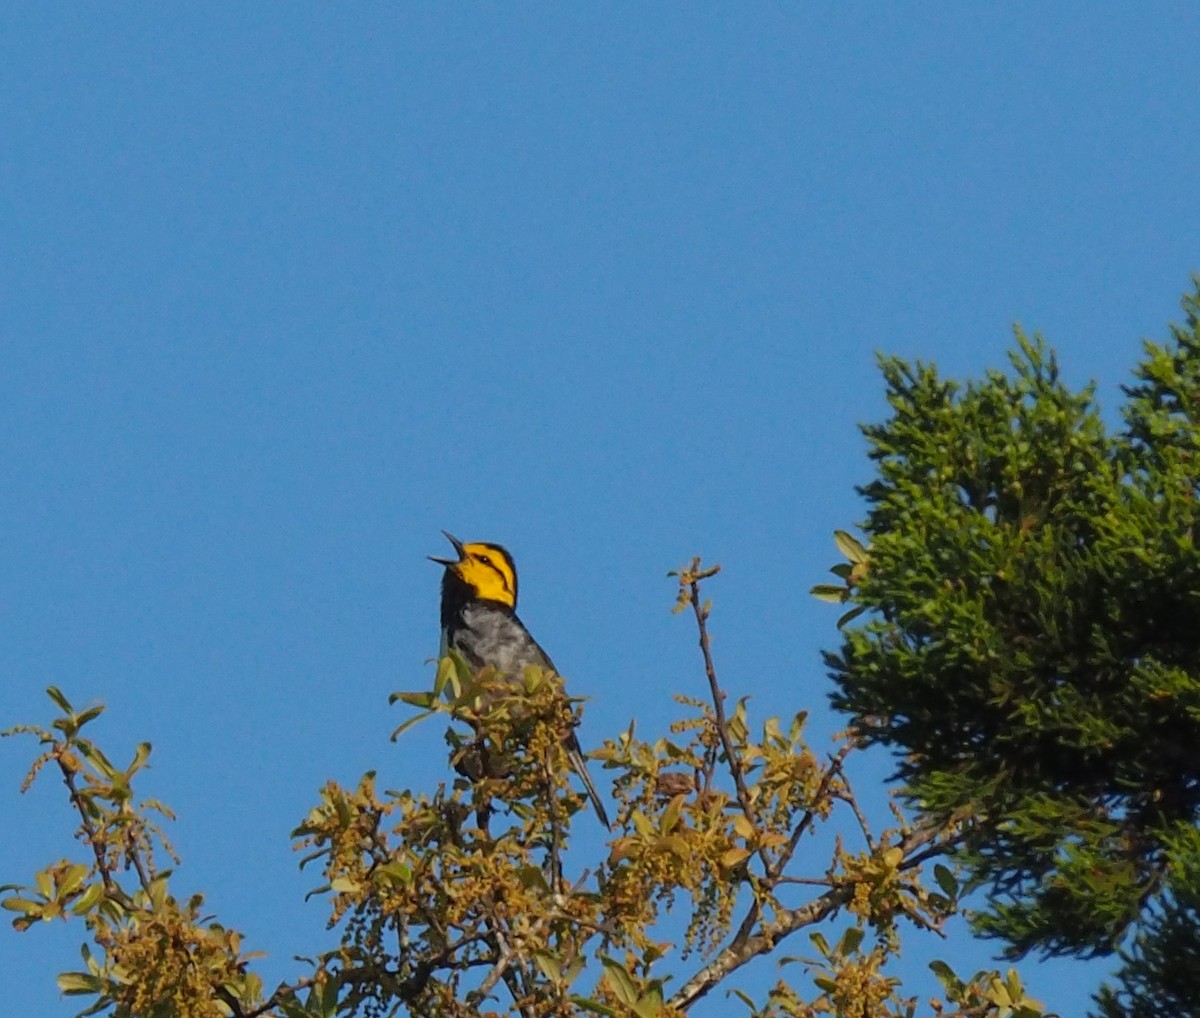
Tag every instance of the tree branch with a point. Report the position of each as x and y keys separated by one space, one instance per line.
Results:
x=89 y=829
x=786 y=922
x=785 y=856
x=692 y=578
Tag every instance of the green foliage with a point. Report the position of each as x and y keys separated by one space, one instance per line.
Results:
x=1032 y=647
x=463 y=901
x=157 y=957
x=1161 y=972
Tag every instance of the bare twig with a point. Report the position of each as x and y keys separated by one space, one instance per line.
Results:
x=692 y=578
x=849 y=799
x=513 y=978
x=499 y=970
x=556 y=873
x=134 y=858
x=942 y=848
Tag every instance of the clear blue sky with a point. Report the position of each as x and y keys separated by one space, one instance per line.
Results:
x=286 y=289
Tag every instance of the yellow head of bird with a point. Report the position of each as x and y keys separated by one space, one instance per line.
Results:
x=486 y=568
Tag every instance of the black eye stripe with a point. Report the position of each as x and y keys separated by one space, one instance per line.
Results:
x=496 y=559
x=484 y=560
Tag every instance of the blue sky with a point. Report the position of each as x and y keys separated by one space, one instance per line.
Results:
x=287 y=289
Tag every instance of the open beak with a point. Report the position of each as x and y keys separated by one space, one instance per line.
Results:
x=458 y=547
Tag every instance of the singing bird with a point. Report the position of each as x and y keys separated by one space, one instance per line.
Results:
x=479 y=622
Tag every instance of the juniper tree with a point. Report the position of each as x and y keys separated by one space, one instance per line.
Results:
x=1030 y=647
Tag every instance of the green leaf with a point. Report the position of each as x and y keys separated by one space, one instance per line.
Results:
x=851 y=615
x=462 y=671
x=445 y=672
x=831 y=593
x=60 y=701
x=88 y=899
x=734 y=857
x=549 y=967
x=73 y=984
x=849 y=546
x=946 y=880
x=325 y=997
x=423 y=699
x=945 y=975
x=92 y=964
x=620 y=981
x=72 y=879
x=672 y=813
x=1012 y=982
x=743 y=828
x=396 y=872
x=748 y=1001
x=158 y=890
x=532 y=876
x=573 y=970
x=93 y=755
x=405 y=726
x=997 y=993
x=140 y=756
x=642 y=824
x=90 y=714
x=594 y=1006
x=849 y=941
x=649 y=1006
x=674 y=844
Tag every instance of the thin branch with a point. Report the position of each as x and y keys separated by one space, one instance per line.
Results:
x=943 y=848
x=506 y=955
x=692 y=578
x=786 y=922
x=555 y=849
x=916 y=918
x=731 y=959
x=134 y=858
x=89 y=829
x=806 y=881
x=849 y=799
x=376 y=977
x=514 y=979
x=499 y=969
x=785 y=856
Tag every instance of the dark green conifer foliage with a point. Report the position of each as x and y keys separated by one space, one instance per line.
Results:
x=1032 y=642
x=1161 y=972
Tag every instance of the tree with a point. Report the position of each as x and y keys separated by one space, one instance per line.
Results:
x=465 y=900
x=1031 y=650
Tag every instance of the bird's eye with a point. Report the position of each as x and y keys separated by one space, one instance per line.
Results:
x=485 y=560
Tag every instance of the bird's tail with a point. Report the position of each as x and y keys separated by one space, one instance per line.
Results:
x=579 y=765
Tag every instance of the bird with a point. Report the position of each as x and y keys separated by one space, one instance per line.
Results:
x=479 y=622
